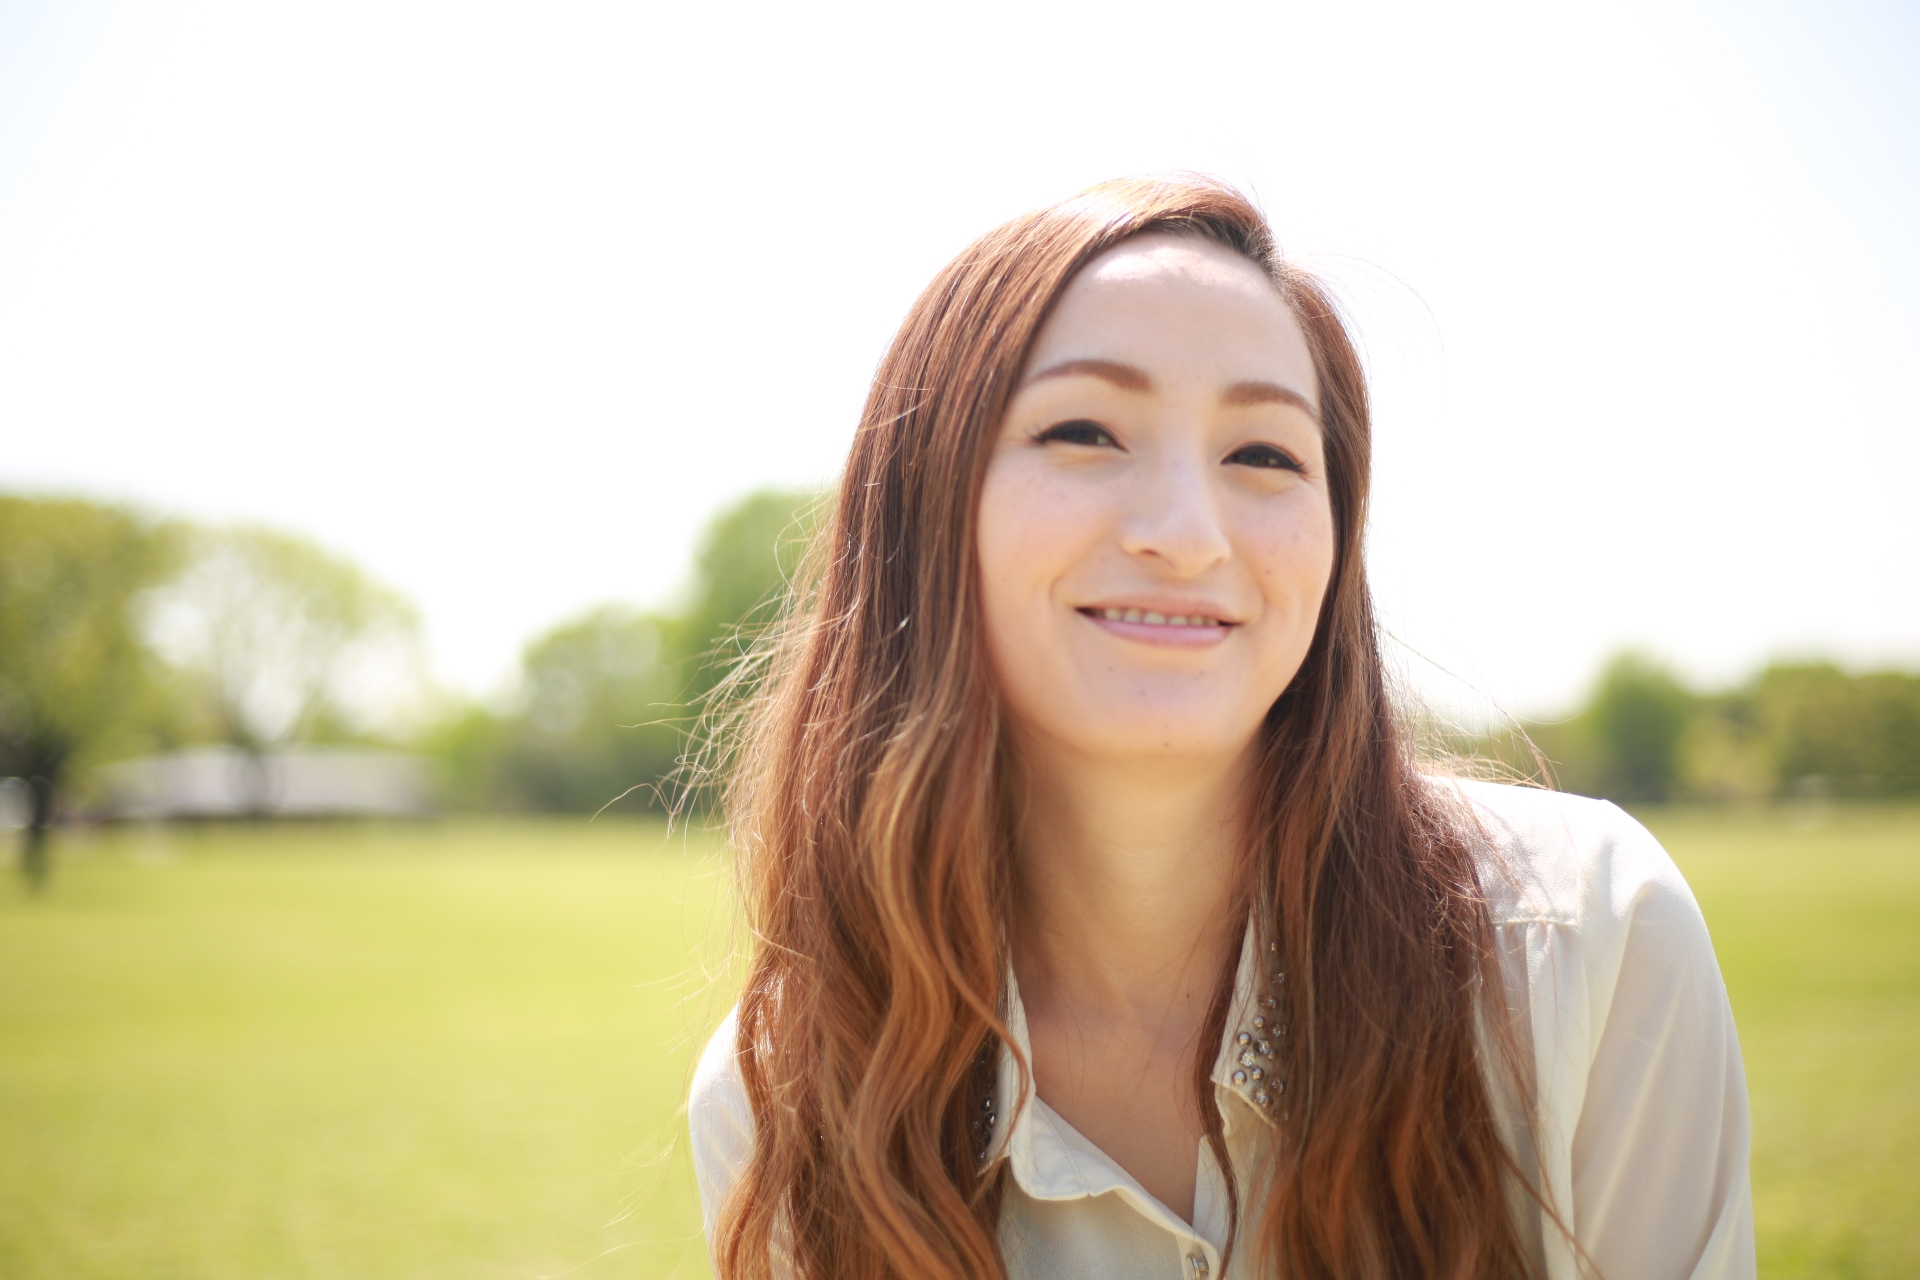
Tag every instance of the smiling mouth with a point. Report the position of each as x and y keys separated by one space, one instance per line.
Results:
x=1152 y=618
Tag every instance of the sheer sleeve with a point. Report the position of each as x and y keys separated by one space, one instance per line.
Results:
x=1638 y=1129
x=1659 y=1159
x=719 y=1122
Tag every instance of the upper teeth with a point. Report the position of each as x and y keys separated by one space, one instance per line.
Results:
x=1153 y=619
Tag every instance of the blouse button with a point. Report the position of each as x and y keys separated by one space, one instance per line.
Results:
x=1197 y=1266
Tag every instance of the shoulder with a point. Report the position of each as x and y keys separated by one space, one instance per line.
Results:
x=1600 y=916
x=716 y=1081
x=1642 y=1131
x=1564 y=859
x=719 y=1118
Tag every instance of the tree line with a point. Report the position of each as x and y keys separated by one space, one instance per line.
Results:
x=122 y=635
x=1806 y=729
x=610 y=704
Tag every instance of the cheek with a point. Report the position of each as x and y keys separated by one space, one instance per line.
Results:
x=1294 y=560
x=1005 y=539
x=1032 y=529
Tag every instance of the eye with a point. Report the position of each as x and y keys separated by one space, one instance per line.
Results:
x=1078 y=431
x=1263 y=455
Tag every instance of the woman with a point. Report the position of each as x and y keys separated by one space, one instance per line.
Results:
x=1103 y=925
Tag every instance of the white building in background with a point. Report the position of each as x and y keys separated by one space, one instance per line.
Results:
x=297 y=782
x=15 y=804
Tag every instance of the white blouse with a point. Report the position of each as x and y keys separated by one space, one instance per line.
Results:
x=1640 y=1120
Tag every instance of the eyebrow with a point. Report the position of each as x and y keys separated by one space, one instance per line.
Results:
x=1245 y=393
x=1124 y=376
x=1131 y=378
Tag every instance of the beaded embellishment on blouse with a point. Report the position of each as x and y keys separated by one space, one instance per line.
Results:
x=981 y=1126
x=1255 y=1060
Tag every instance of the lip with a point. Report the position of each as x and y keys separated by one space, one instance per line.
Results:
x=1161 y=634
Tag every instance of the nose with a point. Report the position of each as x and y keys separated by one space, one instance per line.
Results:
x=1173 y=517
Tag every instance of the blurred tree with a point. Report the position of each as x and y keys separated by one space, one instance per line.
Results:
x=1796 y=728
x=469 y=751
x=275 y=639
x=1636 y=717
x=601 y=718
x=75 y=681
x=609 y=700
x=1623 y=744
x=1893 y=721
x=1724 y=754
x=1853 y=735
x=1575 y=762
x=745 y=560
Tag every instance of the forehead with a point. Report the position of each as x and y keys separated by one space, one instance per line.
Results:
x=1179 y=307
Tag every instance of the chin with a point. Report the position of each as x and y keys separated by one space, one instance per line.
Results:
x=1165 y=736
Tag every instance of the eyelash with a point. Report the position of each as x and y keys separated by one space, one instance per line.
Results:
x=1079 y=430
x=1271 y=458
x=1066 y=433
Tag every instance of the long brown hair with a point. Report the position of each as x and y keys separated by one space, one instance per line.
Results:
x=870 y=817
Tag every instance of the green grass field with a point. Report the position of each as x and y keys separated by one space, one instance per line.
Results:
x=436 y=1051
x=1818 y=931
x=459 y=1050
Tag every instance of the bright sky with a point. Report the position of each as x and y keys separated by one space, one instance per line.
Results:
x=503 y=301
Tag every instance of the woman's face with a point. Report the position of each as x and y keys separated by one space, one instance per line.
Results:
x=1155 y=530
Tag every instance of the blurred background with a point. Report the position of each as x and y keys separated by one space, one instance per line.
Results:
x=404 y=407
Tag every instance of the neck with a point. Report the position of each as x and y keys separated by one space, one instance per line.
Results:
x=1127 y=905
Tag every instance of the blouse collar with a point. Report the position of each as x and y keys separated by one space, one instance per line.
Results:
x=1046 y=1153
